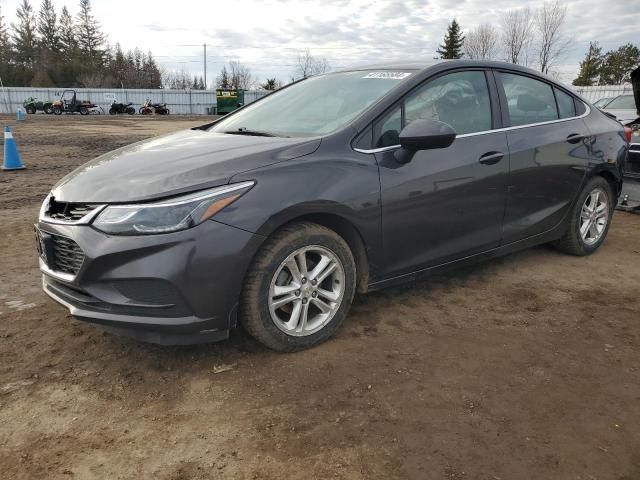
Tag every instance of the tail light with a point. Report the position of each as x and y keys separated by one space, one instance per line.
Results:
x=627 y=134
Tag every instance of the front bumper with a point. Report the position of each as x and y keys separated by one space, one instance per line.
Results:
x=175 y=288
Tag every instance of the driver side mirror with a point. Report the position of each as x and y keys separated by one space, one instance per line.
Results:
x=422 y=134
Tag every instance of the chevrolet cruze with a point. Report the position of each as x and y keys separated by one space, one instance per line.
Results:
x=276 y=215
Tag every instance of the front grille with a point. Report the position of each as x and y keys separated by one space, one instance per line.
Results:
x=67 y=255
x=68 y=212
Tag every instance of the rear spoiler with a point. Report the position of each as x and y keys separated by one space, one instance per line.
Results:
x=635 y=84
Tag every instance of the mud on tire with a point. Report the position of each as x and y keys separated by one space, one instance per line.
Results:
x=256 y=313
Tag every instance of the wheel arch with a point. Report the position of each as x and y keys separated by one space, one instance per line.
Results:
x=343 y=227
x=613 y=179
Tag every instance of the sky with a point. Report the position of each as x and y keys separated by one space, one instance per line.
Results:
x=268 y=35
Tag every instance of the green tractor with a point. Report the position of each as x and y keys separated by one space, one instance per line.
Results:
x=33 y=105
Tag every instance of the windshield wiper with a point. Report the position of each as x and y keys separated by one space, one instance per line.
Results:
x=254 y=133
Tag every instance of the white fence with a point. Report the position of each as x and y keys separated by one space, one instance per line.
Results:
x=193 y=102
x=601 y=91
x=188 y=102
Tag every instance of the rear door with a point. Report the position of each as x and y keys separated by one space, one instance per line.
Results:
x=446 y=203
x=549 y=153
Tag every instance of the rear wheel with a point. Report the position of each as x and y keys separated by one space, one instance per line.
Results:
x=57 y=110
x=590 y=219
x=31 y=109
x=84 y=111
x=48 y=109
x=299 y=289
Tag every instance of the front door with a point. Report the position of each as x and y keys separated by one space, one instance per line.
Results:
x=448 y=203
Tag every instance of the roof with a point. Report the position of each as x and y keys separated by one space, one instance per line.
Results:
x=428 y=63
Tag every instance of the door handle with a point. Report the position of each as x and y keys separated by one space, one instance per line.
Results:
x=491 y=158
x=575 y=138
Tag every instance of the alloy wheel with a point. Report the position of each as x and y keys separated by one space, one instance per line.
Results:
x=594 y=216
x=306 y=290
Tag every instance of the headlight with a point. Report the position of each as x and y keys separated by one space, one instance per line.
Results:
x=169 y=215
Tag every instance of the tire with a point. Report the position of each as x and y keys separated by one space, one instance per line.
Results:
x=57 y=110
x=131 y=111
x=267 y=323
x=48 y=109
x=31 y=109
x=84 y=111
x=575 y=242
x=112 y=111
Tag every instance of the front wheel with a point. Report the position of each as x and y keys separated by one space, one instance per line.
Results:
x=31 y=109
x=57 y=111
x=299 y=289
x=48 y=109
x=112 y=111
x=131 y=111
x=590 y=219
x=84 y=111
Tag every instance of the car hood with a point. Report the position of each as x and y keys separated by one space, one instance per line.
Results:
x=176 y=163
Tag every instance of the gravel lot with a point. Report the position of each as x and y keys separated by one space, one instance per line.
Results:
x=525 y=367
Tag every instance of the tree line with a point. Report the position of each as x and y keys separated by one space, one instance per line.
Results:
x=611 y=68
x=47 y=49
x=537 y=38
x=522 y=36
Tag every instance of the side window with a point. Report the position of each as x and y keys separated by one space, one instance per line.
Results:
x=566 y=107
x=528 y=100
x=386 y=131
x=459 y=99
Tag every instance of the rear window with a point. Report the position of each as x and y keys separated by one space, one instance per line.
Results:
x=528 y=100
x=623 y=102
x=566 y=107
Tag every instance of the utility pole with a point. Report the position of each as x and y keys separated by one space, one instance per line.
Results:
x=205 y=65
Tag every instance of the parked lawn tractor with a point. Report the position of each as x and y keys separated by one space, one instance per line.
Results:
x=32 y=105
x=69 y=103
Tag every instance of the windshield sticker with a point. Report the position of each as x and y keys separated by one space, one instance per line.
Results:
x=388 y=75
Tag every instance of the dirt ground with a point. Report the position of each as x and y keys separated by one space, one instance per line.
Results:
x=526 y=367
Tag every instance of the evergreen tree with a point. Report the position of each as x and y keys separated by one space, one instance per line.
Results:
x=618 y=64
x=201 y=85
x=68 y=38
x=590 y=66
x=270 y=84
x=224 y=80
x=151 y=73
x=4 y=40
x=4 y=50
x=451 y=47
x=24 y=35
x=69 y=52
x=4 y=36
x=48 y=27
x=118 y=67
x=90 y=37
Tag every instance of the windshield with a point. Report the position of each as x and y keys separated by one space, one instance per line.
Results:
x=601 y=102
x=315 y=106
x=623 y=102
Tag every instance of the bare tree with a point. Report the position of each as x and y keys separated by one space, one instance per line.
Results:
x=240 y=75
x=551 y=43
x=308 y=65
x=516 y=35
x=481 y=43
